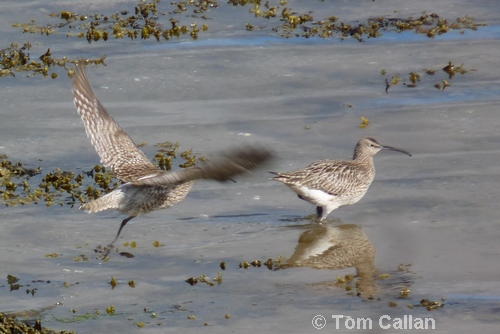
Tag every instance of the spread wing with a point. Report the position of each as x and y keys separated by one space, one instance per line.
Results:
x=331 y=176
x=234 y=162
x=114 y=146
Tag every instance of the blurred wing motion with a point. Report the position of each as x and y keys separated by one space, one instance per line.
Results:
x=147 y=188
x=115 y=148
x=234 y=162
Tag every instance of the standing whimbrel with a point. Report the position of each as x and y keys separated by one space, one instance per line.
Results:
x=330 y=184
x=146 y=187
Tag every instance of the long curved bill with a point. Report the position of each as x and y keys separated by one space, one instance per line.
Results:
x=396 y=149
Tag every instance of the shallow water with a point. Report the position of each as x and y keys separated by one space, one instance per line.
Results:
x=436 y=210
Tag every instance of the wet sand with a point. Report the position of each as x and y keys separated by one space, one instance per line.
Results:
x=436 y=210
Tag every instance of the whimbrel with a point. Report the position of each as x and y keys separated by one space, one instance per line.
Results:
x=330 y=184
x=146 y=188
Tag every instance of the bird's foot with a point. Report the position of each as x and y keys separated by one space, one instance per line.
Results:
x=107 y=249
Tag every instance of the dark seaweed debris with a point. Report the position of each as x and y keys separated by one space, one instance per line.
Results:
x=143 y=22
x=16 y=58
x=204 y=279
x=22 y=186
x=294 y=24
x=167 y=20
x=11 y=325
x=414 y=78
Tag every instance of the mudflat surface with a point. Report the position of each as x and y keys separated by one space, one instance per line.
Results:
x=304 y=98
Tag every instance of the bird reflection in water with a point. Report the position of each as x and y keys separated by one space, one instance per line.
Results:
x=338 y=247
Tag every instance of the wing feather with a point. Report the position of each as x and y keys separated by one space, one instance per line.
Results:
x=234 y=162
x=331 y=176
x=115 y=148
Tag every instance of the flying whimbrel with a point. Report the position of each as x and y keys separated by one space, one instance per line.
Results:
x=146 y=188
x=330 y=184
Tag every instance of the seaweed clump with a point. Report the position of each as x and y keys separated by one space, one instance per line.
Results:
x=415 y=77
x=143 y=22
x=166 y=21
x=22 y=186
x=11 y=325
x=16 y=58
x=294 y=24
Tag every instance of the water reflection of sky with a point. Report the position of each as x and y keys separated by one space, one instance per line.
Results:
x=263 y=39
x=388 y=37
x=473 y=297
x=440 y=97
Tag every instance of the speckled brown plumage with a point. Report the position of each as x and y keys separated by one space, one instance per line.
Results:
x=115 y=148
x=147 y=188
x=333 y=247
x=330 y=184
x=338 y=247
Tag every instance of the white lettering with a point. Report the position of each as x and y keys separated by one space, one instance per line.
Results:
x=364 y=321
x=427 y=323
x=419 y=323
x=350 y=323
x=381 y=324
x=386 y=322
x=337 y=317
x=408 y=323
x=398 y=323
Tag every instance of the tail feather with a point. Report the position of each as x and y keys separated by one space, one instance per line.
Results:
x=102 y=203
x=279 y=177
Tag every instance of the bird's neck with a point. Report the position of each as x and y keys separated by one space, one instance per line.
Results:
x=364 y=158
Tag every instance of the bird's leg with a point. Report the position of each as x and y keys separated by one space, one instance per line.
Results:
x=319 y=211
x=322 y=213
x=111 y=245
